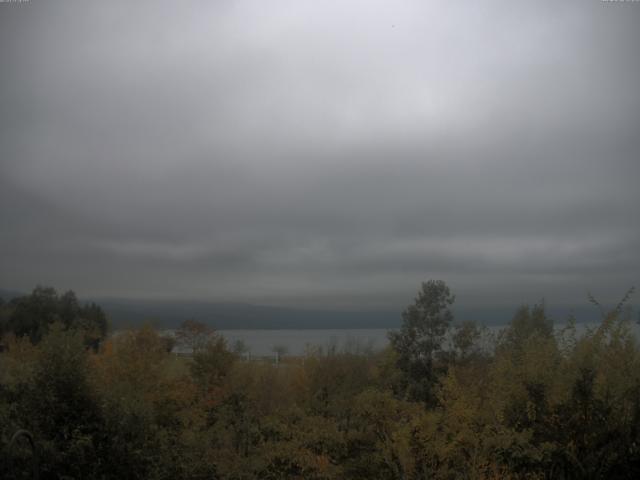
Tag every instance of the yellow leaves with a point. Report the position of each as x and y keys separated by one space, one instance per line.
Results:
x=611 y=352
x=464 y=420
x=334 y=416
x=17 y=362
x=107 y=349
x=269 y=389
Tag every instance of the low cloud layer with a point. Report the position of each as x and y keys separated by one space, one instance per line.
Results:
x=328 y=154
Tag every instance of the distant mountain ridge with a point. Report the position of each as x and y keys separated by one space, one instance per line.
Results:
x=170 y=314
x=124 y=313
x=9 y=294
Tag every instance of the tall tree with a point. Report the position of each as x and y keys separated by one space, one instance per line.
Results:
x=193 y=335
x=32 y=315
x=526 y=322
x=417 y=343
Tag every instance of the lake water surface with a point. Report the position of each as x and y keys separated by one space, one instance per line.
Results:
x=262 y=343
x=297 y=342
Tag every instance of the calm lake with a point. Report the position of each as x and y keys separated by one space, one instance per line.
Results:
x=261 y=342
x=296 y=342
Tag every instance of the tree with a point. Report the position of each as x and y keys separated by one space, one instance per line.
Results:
x=58 y=406
x=146 y=400
x=424 y=326
x=212 y=362
x=465 y=340
x=5 y=314
x=525 y=323
x=93 y=322
x=193 y=335
x=32 y=315
x=240 y=348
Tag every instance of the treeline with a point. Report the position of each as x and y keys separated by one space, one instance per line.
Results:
x=442 y=401
x=32 y=316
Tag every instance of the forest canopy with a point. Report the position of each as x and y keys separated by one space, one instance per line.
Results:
x=443 y=400
x=33 y=315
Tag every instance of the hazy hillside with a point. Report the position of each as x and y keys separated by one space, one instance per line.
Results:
x=237 y=315
x=227 y=315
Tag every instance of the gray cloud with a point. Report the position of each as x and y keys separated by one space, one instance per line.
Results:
x=320 y=153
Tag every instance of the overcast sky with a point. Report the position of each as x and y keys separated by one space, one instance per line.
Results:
x=321 y=153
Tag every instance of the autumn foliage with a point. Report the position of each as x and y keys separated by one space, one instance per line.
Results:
x=531 y=402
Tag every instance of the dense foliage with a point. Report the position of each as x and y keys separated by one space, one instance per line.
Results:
x=32 y=316
x=443 y=401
